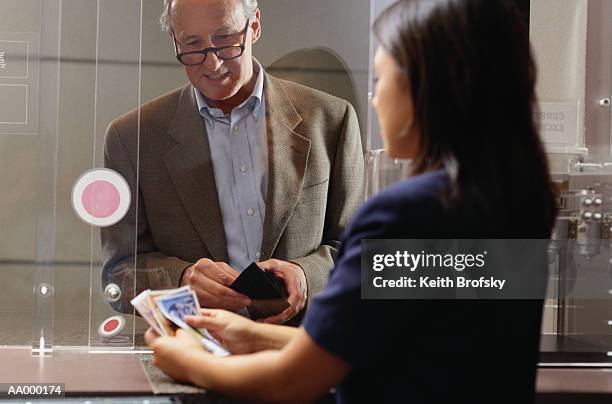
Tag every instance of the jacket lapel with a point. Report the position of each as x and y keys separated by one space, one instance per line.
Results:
x=190 y=167
x=287 y=158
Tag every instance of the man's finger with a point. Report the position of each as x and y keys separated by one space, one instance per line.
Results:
x=219 y=291
x=202 y=293
x=291 y=284
x=271 y=320
x=209 y=269
x=225 y=293
x=220 y=301
x=296 y=299
x=280 y=318
x=277 y=273
x=268 y=265
x=215 y=301
x=216 y=295
x=231 y=272
x=207 y=299
x=293 y=290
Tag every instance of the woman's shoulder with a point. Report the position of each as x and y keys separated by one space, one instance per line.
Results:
x=418 y=188
x=416 y=192
x=409 y=202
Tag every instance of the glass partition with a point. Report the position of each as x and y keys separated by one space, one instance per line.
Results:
x=381 y=171
x=113 y=195
x=67 y=69
x=72 y=248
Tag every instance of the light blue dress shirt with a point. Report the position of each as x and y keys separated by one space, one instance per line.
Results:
x=238 y=146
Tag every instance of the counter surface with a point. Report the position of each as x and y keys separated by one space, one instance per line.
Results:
x=108 y=374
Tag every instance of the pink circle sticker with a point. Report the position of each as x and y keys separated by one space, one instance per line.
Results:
x=100 y=199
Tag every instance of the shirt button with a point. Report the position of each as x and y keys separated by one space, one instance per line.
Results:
x=243 y=169
x=236 y=129
x=258 y=255
x=250 y=212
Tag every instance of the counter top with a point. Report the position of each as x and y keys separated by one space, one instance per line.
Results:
x=124 y=374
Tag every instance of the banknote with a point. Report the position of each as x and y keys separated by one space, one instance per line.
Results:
x=165 y=311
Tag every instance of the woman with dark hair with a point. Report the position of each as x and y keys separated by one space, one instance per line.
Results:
x=455 y=93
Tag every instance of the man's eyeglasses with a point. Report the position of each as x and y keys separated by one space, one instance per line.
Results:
x=198 y=57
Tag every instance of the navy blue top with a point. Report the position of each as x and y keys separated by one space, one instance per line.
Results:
x=424 y=351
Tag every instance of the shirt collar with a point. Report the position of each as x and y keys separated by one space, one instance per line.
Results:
x=252 y=103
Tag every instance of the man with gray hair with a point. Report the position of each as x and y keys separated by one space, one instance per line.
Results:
x=235 y=167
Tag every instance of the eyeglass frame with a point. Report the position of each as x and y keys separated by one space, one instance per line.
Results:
x=214 y=50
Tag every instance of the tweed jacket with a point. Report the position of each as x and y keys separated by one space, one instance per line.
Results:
x=315 y=179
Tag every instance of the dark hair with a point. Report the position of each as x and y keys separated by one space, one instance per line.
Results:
x=472 y=78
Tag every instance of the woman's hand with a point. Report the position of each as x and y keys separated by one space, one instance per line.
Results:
x=232 y=330
x=172 y=354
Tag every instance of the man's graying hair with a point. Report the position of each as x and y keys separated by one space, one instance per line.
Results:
x=165 y=20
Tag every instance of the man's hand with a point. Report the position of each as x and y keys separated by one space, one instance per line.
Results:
x=295 y=283
x=210 y=281
x=232 y=330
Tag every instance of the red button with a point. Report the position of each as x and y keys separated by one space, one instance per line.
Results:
x=111 y=325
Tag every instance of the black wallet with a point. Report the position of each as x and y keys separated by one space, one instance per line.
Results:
x=258 y=284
